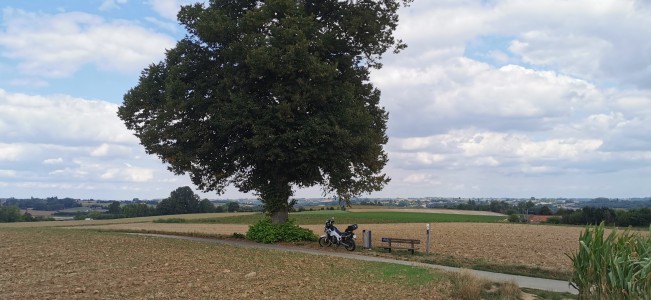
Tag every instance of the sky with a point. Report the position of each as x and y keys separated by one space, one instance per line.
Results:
x=514 y=98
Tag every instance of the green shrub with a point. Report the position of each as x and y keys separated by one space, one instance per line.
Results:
x=9 y=214
x=613 y=267
x=265 y=232
x=513 y=218
x=554 y=220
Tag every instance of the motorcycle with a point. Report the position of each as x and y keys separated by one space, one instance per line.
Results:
x=333 y=236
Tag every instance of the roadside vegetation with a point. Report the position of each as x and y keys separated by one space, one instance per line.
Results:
x=616 y=266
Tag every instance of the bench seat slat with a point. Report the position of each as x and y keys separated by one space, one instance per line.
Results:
x=391 y=241
x=394 y=247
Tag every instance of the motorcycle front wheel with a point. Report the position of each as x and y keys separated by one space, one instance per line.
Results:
x=324 y=242
x=350 y=245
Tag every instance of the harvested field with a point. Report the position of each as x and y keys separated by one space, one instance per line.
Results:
x=509 y=244
x=117 y=221
x=182 y=228
x=51 y=263
x=429 y=210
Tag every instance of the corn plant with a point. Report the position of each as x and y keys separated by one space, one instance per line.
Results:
x=614 y=267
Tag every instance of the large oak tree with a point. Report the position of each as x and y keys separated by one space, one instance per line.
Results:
x=270 y=96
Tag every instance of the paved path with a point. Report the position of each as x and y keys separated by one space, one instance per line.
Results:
x=522 y=281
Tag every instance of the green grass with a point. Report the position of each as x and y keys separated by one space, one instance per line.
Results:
x=342 y=217
x=411 y=276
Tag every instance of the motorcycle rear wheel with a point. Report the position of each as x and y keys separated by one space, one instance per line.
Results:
x=350 y=245
x=324 y=242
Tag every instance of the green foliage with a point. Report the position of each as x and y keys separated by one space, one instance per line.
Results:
x=266 y=232
x=545 y=211
x=554 y=220
x=513 y=218
x=634 y=217
x=181 y=201
x=9 y=214
x=640 y=217
x=50 y=203
x=205 y=206
x=614 y=267
x=271 y=95
x=232 y=207
x=114 y=208
x=134 y=210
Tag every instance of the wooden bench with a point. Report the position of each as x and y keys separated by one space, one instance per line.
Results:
x=411 y=244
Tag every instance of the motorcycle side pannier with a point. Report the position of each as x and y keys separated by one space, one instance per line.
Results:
x=351 y=227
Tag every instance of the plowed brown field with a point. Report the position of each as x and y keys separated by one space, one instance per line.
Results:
x=46 y=263
x=510 y=244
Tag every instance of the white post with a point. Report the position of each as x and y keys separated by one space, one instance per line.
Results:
x=427 y=247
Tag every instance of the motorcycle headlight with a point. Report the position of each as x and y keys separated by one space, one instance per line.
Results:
x=354 y=236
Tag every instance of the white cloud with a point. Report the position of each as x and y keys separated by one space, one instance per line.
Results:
x=603 y=40
x=169 y=8
x=53 y=161
x=129 y=174
x=72 y=144
x=468 y=93
x=7 y=173
x=111 y=4
x=60 y=119
x=59 y=45
x=11 y=152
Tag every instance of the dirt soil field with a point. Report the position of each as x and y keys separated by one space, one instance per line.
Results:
x=117 y=221
x=540 y=246
x=51 y=263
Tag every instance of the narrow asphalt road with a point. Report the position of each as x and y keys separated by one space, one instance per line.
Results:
x=522 y=281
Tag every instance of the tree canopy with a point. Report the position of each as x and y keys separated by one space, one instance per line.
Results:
x=269 y=96
x=181 y=201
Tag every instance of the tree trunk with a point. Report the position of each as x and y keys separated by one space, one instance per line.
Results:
x=280 y=217
x=275 y=197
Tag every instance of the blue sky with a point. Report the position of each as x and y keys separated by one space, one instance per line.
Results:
x=497 y=98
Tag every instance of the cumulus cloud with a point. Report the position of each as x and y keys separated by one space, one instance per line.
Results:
x=439 y=97
x=603 y=41
x=59 y=119
x=58 y=45
x=72 y=144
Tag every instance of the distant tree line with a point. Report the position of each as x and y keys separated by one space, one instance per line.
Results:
x=181 y=201
x=50 y=203
x=618 y=203
x=503 y=207
x=11 y=213
x=637 y=217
